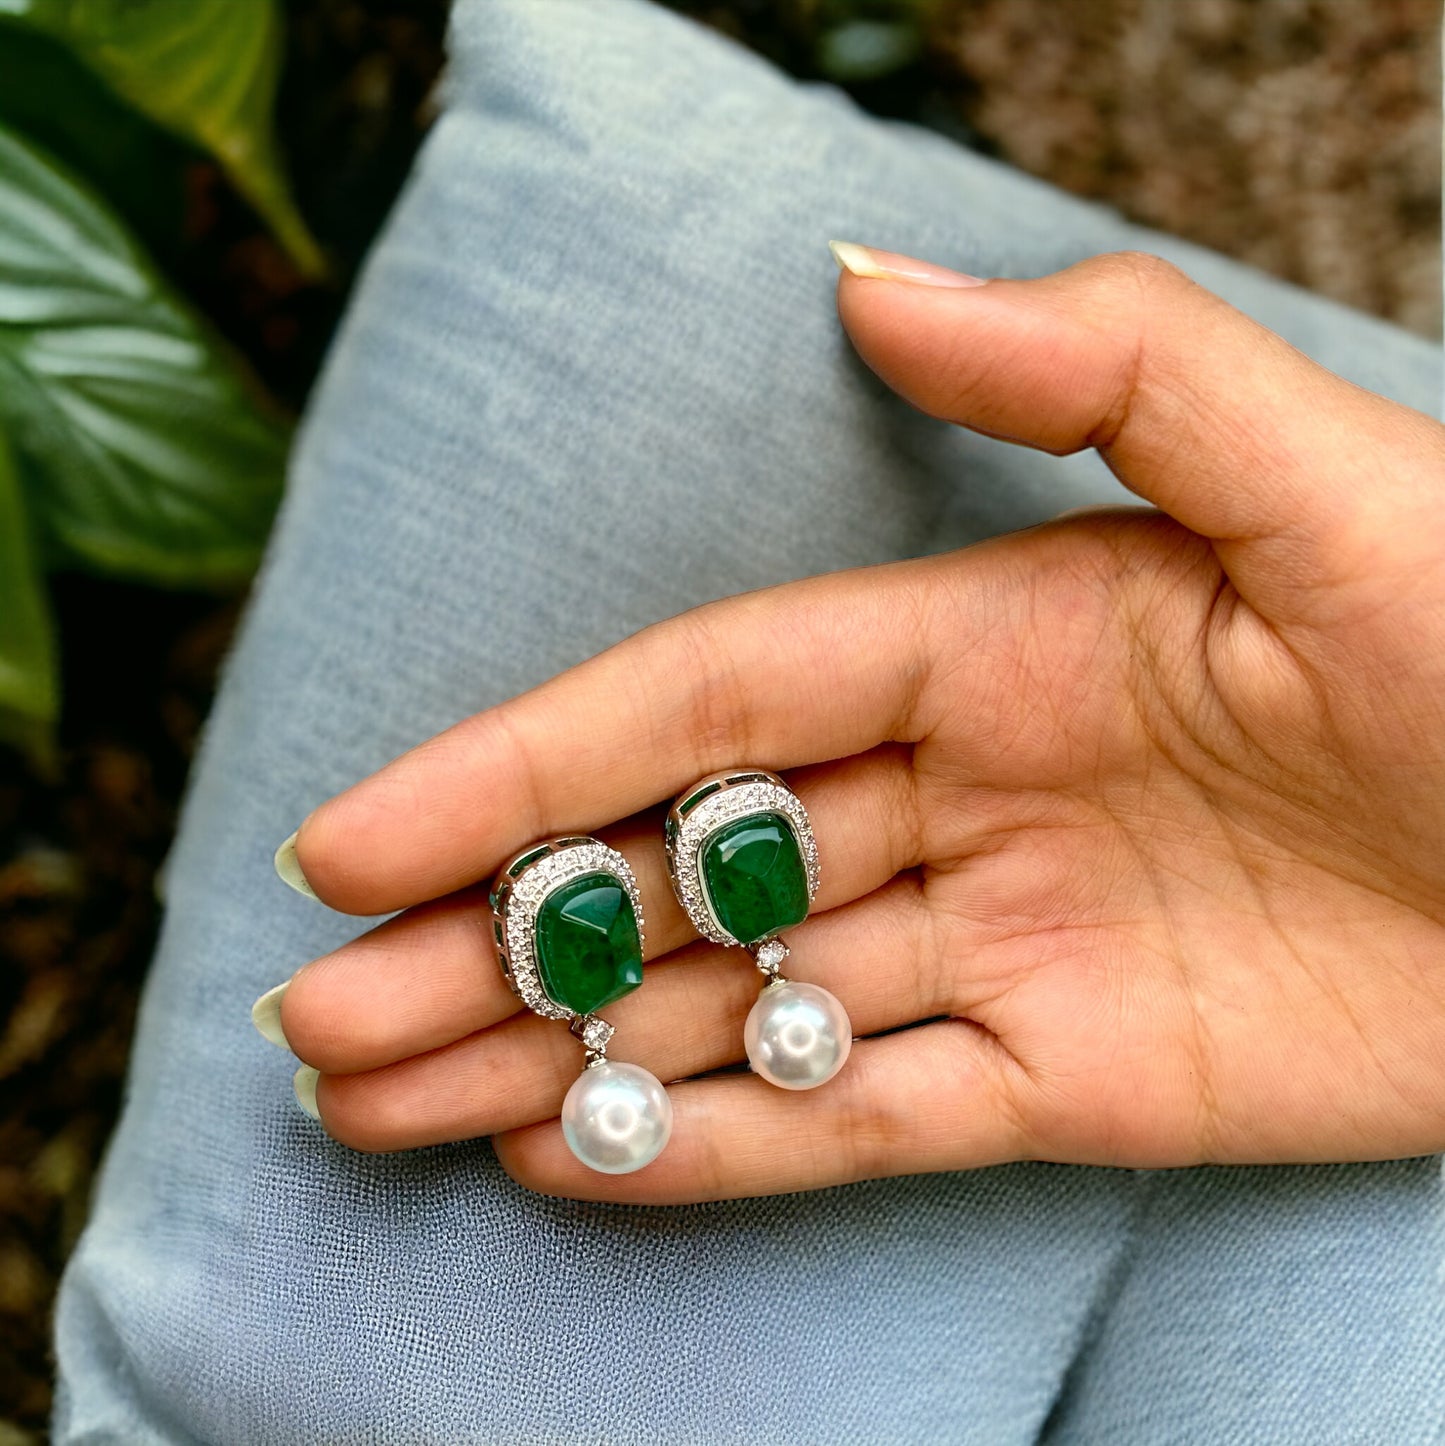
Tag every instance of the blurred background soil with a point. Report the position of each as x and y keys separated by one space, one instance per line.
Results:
x=1300 y=135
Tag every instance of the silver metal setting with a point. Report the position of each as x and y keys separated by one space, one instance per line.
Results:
x=516 y=901
x=733 y=795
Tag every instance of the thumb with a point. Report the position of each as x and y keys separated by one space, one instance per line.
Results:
x=1304 y=482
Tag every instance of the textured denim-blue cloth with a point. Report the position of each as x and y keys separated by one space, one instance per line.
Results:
x=593 y=376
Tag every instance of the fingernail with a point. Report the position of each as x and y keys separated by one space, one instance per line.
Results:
x=289 y=867
x=266 y=1015
x=304 y=1083
x=889 y=266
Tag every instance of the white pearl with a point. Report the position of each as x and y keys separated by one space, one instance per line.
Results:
x=616 y=1117
x=797 y=1035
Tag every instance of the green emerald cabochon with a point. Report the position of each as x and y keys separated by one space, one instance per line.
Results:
x=589 y=950
x=753 y=872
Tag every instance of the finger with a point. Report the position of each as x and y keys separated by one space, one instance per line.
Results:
x=813 y=671
x=876 y=955
x=429 y=976
x=940 y=1097
x=1296 y=474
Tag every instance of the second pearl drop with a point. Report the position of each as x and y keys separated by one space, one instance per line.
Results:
x=797 y=1035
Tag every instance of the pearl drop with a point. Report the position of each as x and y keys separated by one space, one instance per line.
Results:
x=616 y=1117
x=797 y=1035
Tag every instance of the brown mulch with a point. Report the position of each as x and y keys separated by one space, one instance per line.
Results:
x=1301 y=135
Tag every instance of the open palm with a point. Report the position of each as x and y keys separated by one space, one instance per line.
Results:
x=1137 y=817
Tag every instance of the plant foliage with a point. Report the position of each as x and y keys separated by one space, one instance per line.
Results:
x=132 y=442
x=28 y=691
x=205 y=70
x=150 y=460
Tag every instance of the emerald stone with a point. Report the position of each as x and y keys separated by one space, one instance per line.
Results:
x=527 y=859
x=589 y=951
x=753 y=872
x=693 y=799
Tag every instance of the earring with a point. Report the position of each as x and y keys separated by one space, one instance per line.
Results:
x=744 y=865
x=567 y=922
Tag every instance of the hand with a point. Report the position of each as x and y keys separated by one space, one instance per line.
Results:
x=1144 y=810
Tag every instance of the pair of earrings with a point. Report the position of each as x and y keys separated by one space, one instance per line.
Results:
x=567 y=921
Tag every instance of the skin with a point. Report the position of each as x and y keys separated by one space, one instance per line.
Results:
x=1141 y=811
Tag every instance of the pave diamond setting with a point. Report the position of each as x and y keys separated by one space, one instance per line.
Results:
x=517 y=897
x=712 y=805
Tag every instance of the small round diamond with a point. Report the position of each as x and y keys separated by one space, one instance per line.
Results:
x=596 y=1033
x=770 y=957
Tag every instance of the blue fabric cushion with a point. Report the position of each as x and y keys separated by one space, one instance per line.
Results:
x=593 y=376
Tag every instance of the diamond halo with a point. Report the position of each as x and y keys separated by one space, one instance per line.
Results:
x=518 y=901
x=738 y=794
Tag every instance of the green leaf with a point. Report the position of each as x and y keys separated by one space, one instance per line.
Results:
x=28 y=687
x=141 y=168
x=206 y=70
x=144 y=453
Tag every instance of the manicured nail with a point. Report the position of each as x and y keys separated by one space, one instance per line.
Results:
x=889 y=266
x=304 y=1083
x=266 y=1015
x=289 y=868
